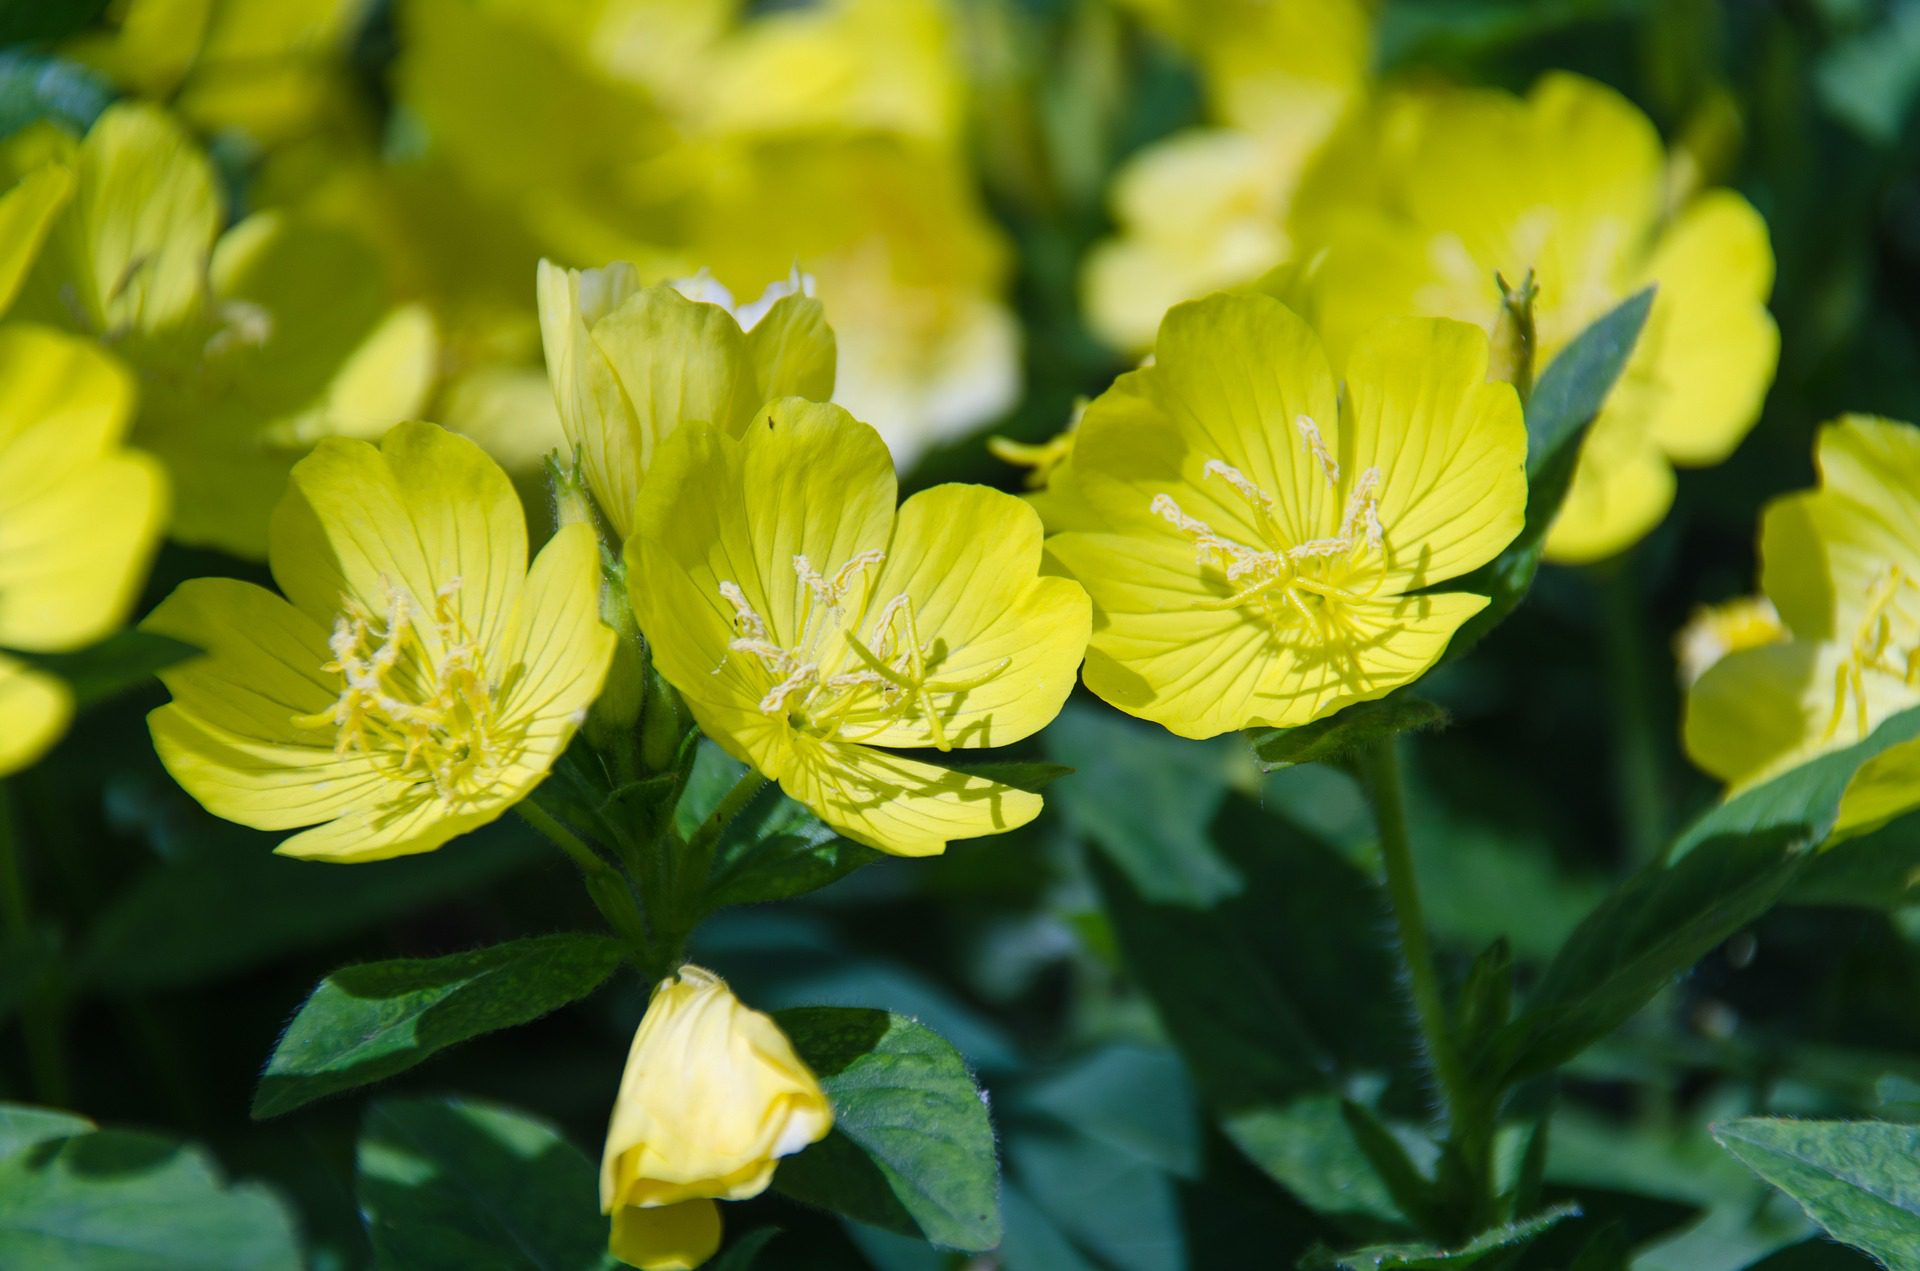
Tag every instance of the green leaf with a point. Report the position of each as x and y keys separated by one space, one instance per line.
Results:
x=227 y=902
x=1307 y=1147
x=1567 y=396
x=112 y=1200
x=1030 y=775
x=1353 y=729
x=127 y=660
x=1145 y=798
x=1114 y=1205
x=22 y=1126
x=458 y=1184
x=1653 y=927
x=1131 y=1098
x=1806 y=799
x=1418 y=1257
x=365 y=1023
x=33 y=87
x=742 y=1253
x=775 y=850
x=1818 y=1254
x=912 y=1148
x=1858 y=1179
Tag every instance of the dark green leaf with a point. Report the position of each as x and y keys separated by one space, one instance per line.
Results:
x=1307 y=1147
x=1033 y=1241
x=1566 y=397
x=1351 y=730
x=776 y=849
x=1806 y=800
x=912 y=1148
x=22 y=1126
x=1818 y=1254
x=1114 y=1205
x=229 y=903
x=458 y=1184
x=33 y=88
x=1133 y=1099
x=1031 y=775
x=1497 y=1240
x=365 y=1023
x=1654 y=926
x=128 y=659
x=1858 y=1179
x=1607 y=1251
x=112 y=1200
x=1144 y=798
x=743 y=1253
x=1413 y=1193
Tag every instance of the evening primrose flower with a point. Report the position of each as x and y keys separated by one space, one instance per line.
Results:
x=630 y=364
x=1714 y=631
x=712 y=1096
x=416 y=681
x=249 y=345
x=812 y=631
x=1841 y=564
x=1266 y=542
x=79 y=519
x=1570 y=186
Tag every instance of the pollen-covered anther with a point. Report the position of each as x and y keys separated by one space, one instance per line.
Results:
x=1885 y=642
x=1317 y=447
x=415 y=688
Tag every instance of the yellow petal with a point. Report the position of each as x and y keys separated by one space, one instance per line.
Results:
x=26 y=214
x=557 y=639
x=900 y=805
x=1449 y=446
x=1386 y=644
x=229 y=736
x=668 y=1237
x=131 y=248
x=79 y=519
x=792 y=350
x=1824 y=551
x=1711 y=346
x=1622 y=486
x=34 y=710
x=424 y=511
x=1233 y=377
x=1757 y=712
x=968 y=560
x=649 y=363
x=804 y=480
x=1886 y=787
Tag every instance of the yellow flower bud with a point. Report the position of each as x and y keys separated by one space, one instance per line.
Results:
x=713 y=1095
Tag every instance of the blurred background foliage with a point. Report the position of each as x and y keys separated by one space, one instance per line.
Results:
x=153 y=953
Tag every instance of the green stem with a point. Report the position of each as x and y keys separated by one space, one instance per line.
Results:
x=40 y=1014
x=1639 y=780
x=1382 y=770
x=606 y=885
x=703 y=839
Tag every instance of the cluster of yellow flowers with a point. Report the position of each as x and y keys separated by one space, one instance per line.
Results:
x=1255 y=528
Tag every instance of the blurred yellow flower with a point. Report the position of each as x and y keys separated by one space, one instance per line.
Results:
x=1207 y=208
x=418 y=679
x=1714 y=631
x=824 y=139
x=1841 y=563
x=79 y=519
x=1266 y=540
x=249 y=346
x=712 y=1096
x=1569 y=185
x=273 y=70
x=812 y=631
x=630 y=364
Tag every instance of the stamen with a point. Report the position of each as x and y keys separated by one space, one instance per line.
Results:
x=1317 y=447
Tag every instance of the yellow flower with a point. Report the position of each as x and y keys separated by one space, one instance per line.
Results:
x=250 y=346
x=417 y=680
x=812 y=631
x=1841 y=563
x=713 y=1095
x=1714 y=631
x=1569 y=185
x=79 y=519
x=1265 y=540
x=630 y=364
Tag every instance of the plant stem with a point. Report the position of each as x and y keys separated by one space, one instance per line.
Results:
x=704 y=838
x=606 y=885
x=40 y=1013
x=1638 y=778
x=1382 y=770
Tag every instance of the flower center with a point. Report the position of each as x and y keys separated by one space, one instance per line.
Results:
x=818 y=689
x=1886 y=642
x=1291 y=585
x=415 y=685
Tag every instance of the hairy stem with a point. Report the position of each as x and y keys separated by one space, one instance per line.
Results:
x=607 y=886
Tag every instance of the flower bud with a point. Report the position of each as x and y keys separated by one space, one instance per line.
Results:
x=712 y=1097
